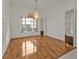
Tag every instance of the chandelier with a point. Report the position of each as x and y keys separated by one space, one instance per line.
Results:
x=35 y=14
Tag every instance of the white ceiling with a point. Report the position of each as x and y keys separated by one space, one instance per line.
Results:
x=43 y=4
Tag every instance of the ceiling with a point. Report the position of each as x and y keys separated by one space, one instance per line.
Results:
x=43 y=4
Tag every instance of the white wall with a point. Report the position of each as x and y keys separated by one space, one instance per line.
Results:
x=55 y=22
x=5 y=24
x=70 y=55
x=56 y=19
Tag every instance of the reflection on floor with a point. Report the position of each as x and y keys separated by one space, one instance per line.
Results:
x=28 y=48
x=36 y=47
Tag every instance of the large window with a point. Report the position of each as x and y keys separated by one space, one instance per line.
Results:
x=28 y=24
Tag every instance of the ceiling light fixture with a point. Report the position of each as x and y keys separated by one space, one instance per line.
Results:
x=34 y=15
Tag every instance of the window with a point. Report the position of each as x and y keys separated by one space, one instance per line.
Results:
x=28 y=24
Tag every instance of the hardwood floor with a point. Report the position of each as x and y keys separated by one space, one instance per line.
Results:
x=37 y=47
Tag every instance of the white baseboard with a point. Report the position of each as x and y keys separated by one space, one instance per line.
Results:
x=59 y=38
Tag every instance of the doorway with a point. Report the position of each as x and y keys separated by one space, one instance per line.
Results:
x=70 y=27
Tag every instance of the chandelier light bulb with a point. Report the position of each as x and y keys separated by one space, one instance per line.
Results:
x=36 y=15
